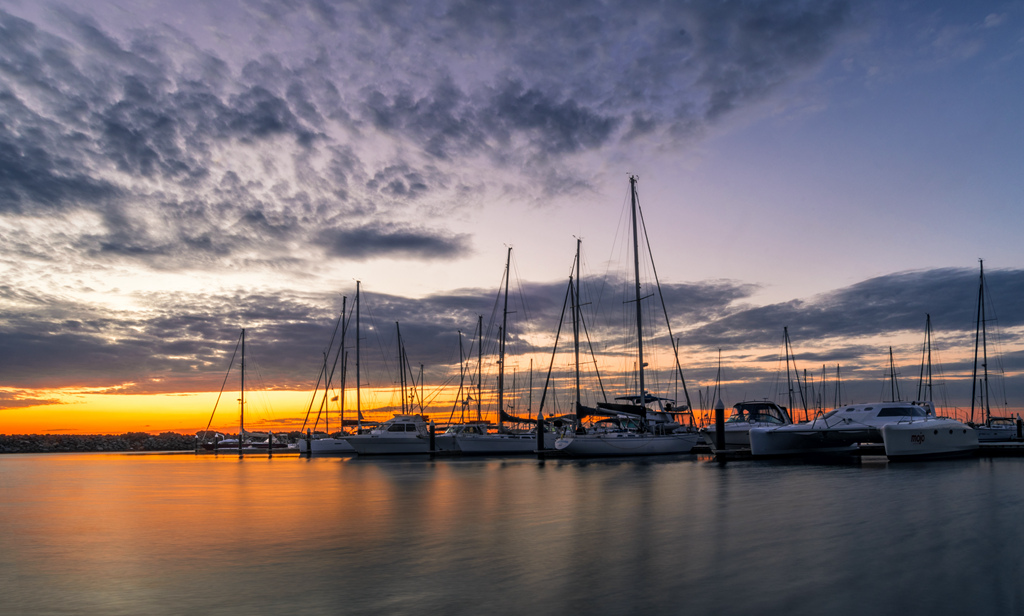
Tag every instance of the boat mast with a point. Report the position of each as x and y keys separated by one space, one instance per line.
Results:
x=401 y=368
x=241 y=400
x=576 y=323
x=462 y=381
x=980 y=340
x=639 y=318
x=788 y=347
x=926 y=360
x=789 y=381
x=501 y=343
x=344 y=357
x=893 y=385
x=359 y=406
x=839 y=385
x=479 y=366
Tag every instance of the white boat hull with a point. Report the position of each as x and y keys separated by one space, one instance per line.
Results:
x=483 y=444
x=373 y=445
x=928 y=439
x=325 y=446
x=626 y=444
x=736 y=436
x=992 y=434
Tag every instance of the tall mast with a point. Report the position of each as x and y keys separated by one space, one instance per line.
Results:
x=924 y=382
x=341 y=379
x=462 y=381
x=479 y=366
x=241 y=400
x=789 y=382
x=359 y=381
x=501 y=343
x=639 y=318
x=576 y=324
x=980 y=341
x=401 y=365
x=839 y=385
x=893 y=385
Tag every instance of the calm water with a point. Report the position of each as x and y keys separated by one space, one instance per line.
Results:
x=174 y=534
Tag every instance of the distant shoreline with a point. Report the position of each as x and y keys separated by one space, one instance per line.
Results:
x=63 y=443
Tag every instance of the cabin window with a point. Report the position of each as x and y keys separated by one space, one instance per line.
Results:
x=396 y=428
x=902 y=411
x=410 y=427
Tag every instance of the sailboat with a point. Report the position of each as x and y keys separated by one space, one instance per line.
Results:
x=631 y=427
x=245 y=440
x=474 y=438
x=992 y=429
x=327 y=444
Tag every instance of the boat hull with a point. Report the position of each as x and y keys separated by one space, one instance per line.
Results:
x=626 y=444
x=484 y=444
x=996 y=434
x=325 y=446
x=372 y=445
x=929 y=439
x=770 y=442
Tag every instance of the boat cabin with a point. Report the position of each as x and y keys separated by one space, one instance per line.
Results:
x=759 y=412
x=880 y=413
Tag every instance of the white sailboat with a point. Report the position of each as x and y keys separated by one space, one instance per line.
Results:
x=325 y=443
x=629 y=428
x=246 y=441
x=991 y=429
x=475 y=438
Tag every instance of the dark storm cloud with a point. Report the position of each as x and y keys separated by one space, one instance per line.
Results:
x=526 y=86
x=881 y=305
x=184 y=342
x=377 y=240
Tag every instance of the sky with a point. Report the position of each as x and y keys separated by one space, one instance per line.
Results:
x=172 y=173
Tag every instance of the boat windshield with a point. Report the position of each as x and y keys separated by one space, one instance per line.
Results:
x=757 y=412
x=902 y=411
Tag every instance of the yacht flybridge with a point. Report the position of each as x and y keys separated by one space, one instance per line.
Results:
x=907 y=430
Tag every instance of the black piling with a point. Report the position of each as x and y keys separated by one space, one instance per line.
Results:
x=309 y=442
x=1020 y=428
x=720 y=431
x=270 y=444
x=432 y=432
x=540 y=434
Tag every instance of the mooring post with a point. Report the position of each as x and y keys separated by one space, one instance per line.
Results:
x=309 y=442
x=540 y=434
x=432 y=436
x=270 y=444
x=720 y=430
x=1020 y=428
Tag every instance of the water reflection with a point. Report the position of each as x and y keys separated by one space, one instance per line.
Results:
x=129 y=534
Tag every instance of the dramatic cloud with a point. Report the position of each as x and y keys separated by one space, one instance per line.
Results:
x=174 y=140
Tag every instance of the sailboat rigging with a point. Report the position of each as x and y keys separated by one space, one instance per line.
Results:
x=638 y=429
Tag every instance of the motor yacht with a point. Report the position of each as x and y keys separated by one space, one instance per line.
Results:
x=402 y=434
x=744 y=416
